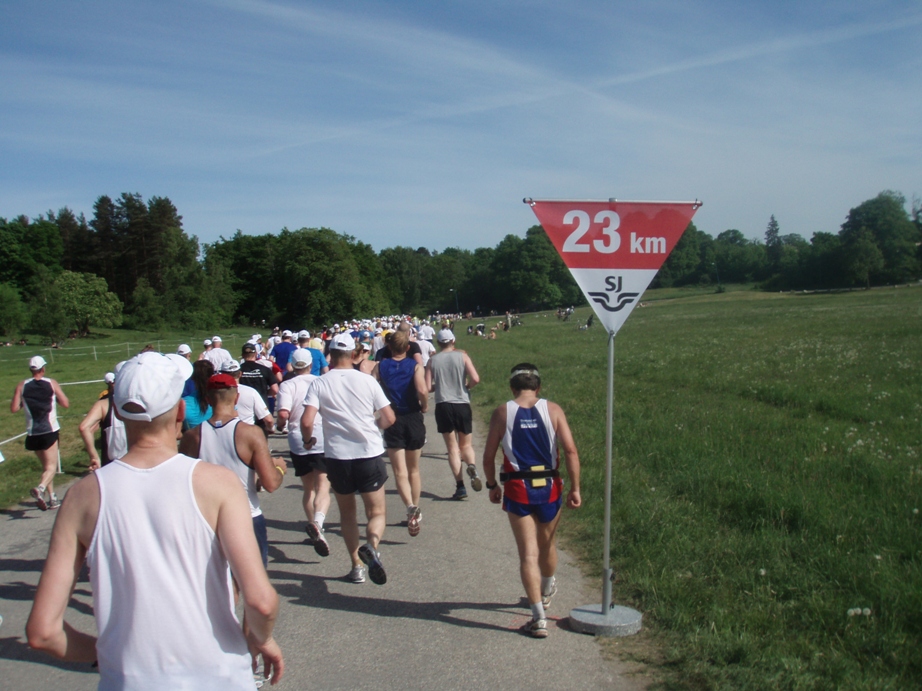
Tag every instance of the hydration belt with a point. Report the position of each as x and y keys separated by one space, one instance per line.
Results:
x=528 y=475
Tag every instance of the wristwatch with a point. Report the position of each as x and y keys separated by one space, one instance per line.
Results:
x=489 y=486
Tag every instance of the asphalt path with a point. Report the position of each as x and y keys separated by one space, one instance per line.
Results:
x=447 y=618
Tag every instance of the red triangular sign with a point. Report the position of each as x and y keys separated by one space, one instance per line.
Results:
x=613 y=248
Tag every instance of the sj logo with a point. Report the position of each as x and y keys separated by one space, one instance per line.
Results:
x=612 y=299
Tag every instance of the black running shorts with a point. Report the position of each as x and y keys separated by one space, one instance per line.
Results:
x=408 y=432
x=40 y=442
x=361 y=475
x=307 y=463
x=453 y=417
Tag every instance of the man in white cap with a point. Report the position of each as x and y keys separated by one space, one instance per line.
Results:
x=354 y=410
x=451 y=375
x=208 y=345
x=319 y=364
x=310 y=465
x=184 y=350
x=39 y=397
x=183 y=526
x=102 y=417
x=218 y=355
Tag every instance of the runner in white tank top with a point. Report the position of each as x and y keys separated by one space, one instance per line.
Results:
x=187 y=593
x=162 y=533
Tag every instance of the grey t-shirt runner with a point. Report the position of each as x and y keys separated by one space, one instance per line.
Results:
x=448 y=377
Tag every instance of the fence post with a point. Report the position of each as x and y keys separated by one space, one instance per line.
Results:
x=94 y=353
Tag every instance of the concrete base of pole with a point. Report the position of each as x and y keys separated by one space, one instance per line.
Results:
x=618 y=622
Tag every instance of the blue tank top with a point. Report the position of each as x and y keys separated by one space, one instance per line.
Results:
x=397 y=382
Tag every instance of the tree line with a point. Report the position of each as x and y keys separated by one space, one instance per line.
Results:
x=134 y=264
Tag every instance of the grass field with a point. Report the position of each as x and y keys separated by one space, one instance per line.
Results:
x=767 y=478
x=83 y=360
x=767 y=474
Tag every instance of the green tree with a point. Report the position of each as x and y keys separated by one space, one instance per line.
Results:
x=86 y=301
x=862 y=257
x=895 y=235
x=13 y=313
x=773 y=244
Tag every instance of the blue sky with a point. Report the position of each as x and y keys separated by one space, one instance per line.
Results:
x=426 y=123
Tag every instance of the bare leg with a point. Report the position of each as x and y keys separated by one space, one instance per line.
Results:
x=466 y=442
x=49 y=461
x=525 y=530
x=398 y=459
x=547 y=547
x=454 y=454
x=416 y=483
x=307 y=499
x=321 y=494
x=375 y=513
x=349 y=525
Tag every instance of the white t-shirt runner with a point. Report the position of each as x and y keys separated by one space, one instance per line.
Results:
x=291 y=398
x=348 y=400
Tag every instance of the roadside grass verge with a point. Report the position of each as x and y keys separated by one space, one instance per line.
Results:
x=767 y=479
x=80 y=360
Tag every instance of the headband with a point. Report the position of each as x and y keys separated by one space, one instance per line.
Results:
x=524 y=371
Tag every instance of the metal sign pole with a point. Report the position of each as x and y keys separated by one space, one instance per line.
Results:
x=609 y=426
x=607 y=619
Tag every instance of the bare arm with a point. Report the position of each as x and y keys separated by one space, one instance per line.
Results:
x=429 y=386
x=571 y=456
x=16 y=403
x=494 y=438
x=386 y=417
x=422 y=391
x=59 y=394
x=473 y=379
x=88 y=427
x=217 y=491
x=46 y=629
x=270 y=475
x=307 y=426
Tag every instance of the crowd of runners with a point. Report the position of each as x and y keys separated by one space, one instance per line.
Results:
x=150 y=521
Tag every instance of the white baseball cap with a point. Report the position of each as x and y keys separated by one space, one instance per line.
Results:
x=216 y=339
x=286 y=333
x=301 y=358
x=183 y=349
x=230 y=366
x=342 y=341
x=446 y=336
x=151 y=381
x=206 y=342
x=109 y=378
x=304 y=334
x=37 y=362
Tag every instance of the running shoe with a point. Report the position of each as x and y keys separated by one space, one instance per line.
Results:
x=460 y=493
x=372 y=559
x=54 y=503
x=413 y=516
x=357 y=575
x=546 y=597
x=39 y=495
x=321 y=546
x=536 y=628
x=476 y=484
